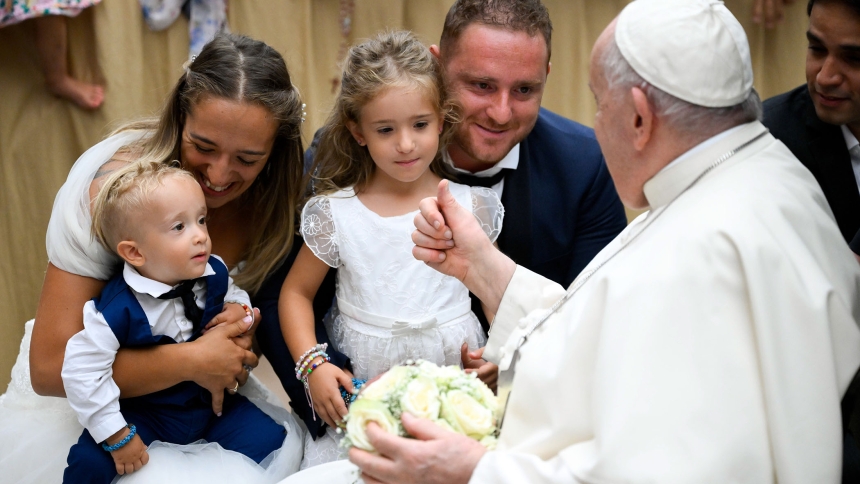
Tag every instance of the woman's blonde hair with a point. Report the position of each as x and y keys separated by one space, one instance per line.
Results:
x=124 y=196
x=238 y=68
x=391 y=59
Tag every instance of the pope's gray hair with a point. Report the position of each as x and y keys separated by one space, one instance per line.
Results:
x=687 y=118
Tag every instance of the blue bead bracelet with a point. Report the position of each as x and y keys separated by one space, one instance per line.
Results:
x=121 y=443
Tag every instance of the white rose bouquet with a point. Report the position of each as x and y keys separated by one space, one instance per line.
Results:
x=446 y=395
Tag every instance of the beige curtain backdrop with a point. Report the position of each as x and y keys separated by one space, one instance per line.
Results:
x=41 y=136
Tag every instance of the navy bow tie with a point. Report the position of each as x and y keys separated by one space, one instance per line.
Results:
x=189 y=301
x=481 y=181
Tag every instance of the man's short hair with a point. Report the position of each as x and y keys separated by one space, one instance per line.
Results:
x=529 y=16
x=854 y=5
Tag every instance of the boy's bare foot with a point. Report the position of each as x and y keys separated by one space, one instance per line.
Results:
x=84 y=95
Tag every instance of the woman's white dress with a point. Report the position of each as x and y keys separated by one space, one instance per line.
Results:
x=391 y=307
x=37 y=432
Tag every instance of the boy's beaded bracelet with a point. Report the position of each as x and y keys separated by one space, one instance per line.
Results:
x=121 y=443
x=248 y=311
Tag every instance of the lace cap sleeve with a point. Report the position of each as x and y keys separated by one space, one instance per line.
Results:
x=489 y=211
x=319 y=232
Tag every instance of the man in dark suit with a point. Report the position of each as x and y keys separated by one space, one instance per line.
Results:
x=820 y=124
x=561 y=205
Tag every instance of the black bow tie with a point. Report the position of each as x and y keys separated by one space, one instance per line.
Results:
x=189 y=301
x=481 y=181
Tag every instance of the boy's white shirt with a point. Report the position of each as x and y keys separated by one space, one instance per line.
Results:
x=88 y=364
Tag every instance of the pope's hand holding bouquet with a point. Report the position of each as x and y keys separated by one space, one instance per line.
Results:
x=445 y=395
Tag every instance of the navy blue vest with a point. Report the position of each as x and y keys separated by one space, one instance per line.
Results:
x=129 y=323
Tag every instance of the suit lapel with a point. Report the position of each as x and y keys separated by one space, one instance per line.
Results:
x=832 y=161
x=516 y=237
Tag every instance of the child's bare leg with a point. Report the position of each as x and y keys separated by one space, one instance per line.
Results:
x=52 y=45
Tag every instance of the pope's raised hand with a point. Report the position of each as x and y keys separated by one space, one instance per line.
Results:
x=447 y=236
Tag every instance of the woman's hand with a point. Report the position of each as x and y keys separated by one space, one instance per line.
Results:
x=232 y=313
x=219 y=360
x=325 y=383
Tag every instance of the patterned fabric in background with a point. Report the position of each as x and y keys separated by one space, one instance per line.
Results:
x=206 y=18
x=14 y=11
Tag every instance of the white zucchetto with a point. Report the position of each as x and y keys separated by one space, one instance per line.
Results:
x=694 y=50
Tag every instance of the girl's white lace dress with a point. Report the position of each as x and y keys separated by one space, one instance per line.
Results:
x=391 y=307
x=36 y=432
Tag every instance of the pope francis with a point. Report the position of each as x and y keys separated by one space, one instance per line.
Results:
x=711 y=341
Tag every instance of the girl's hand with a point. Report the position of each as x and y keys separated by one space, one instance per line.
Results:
x=473 y=362
x=131 y=456
x=219 y=360
x=325 y=383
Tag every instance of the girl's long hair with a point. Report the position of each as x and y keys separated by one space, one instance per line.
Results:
x=391 y=59
x=238 y=68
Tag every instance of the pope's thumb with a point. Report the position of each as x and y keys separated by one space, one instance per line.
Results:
x=444 y=197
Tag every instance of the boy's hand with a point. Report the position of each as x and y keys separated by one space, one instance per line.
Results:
x=131 y=456
x=325 y=383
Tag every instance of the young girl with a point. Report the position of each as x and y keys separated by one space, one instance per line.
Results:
x=379 y=155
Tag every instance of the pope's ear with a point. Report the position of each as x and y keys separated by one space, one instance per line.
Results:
x=643 y=121
x=130 y=253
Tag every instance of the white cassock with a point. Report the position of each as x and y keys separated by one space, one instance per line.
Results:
x=714 y=347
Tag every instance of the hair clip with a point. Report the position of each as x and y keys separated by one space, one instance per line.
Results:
x=187 y=64
x=304 y=114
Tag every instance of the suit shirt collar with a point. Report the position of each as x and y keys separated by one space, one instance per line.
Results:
x=511 y=161
x=145 y=285
x=850 y=139
x=675 y=177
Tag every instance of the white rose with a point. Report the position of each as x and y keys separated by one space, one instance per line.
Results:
x=488 y=398
x=466 y=415
x=389 y=380
x=444 y=375
x=421 y=398
x=361 y=413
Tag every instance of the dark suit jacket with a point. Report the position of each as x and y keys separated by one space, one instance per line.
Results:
x=821 y=148
x=561 y=207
